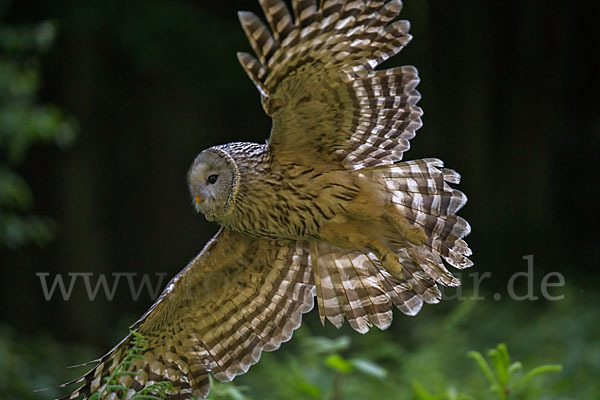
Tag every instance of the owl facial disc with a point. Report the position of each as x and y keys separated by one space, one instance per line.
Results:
x=212 y=180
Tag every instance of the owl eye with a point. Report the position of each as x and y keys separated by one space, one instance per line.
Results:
x=212 y=179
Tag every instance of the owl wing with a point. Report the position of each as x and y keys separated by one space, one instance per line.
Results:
x=352 y=284
x=315 y=73
x=239 y=296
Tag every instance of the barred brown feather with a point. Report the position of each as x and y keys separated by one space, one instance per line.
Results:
x=352 y=284
x=238 y=297
x=421 y=191
x=315 y=75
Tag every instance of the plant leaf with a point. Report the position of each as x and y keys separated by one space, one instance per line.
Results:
x=368 y=367
x=483 y=366
x=542 y=369
x=338 y=363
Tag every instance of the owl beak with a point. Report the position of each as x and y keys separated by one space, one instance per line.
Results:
x=198 y=199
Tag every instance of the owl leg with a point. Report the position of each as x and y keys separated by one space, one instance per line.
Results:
x=349 y=235
x=374 y=202
x=412 y=233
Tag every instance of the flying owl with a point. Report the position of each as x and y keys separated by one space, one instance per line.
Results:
x=326 y=208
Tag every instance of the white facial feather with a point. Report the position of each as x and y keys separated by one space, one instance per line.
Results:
x=210 y=180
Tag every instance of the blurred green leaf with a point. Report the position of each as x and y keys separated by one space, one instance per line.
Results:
x=14 y=191
x=422 y=393
x=44 y=34
x=483 y=366
x=226 y=391
x=338 y=363
x=25 y=123
x=323 y=345
x=542 y=369
x=15 y=230
x=306 y=388
x=514 y=367
x=369 y=367
x=501 y=360
x=504 y=371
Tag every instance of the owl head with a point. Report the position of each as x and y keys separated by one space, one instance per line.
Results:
x=212 y=180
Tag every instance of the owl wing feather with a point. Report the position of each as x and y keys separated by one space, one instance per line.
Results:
x=315 y=72
x=238 y=297
x=352 y=284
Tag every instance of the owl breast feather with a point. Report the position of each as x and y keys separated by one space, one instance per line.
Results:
x=286 y=200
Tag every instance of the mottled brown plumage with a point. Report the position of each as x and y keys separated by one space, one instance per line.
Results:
x=326 y=208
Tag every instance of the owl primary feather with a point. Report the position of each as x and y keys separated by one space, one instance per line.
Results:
x=326 y=209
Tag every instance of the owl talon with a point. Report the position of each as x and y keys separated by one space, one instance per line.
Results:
x=416 y=235
x=411 y=233
x=391 y=264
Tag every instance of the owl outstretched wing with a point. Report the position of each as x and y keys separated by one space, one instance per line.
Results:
x=351 y=283
x=238 y=297
x=316 y=76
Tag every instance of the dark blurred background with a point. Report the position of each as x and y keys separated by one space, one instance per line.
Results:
x=510 y=94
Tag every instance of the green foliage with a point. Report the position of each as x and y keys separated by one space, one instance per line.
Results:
x=421 y=358
x=322 y=371
x=156 y=391
x=224 y=391
x=504 y=377
x=505 y=380
x=30 y=363
x=426 y=357
x=438 y=365
x=25 y=123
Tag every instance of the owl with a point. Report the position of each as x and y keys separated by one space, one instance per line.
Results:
x=325 y=209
